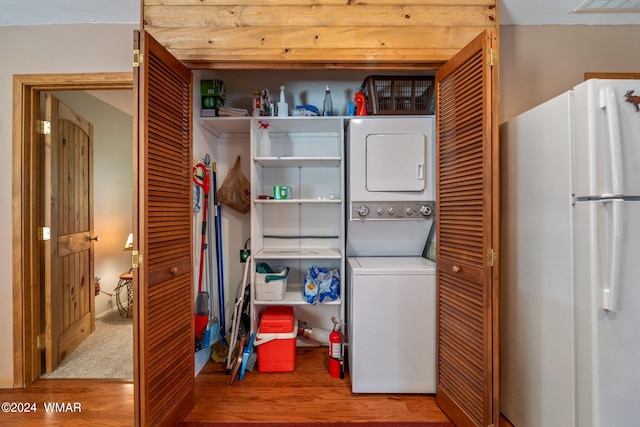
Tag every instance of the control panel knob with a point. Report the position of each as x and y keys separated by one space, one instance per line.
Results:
x=425 y=210
x=409 y=211
x=380 y=211
x=391 y=210
x=362 y=210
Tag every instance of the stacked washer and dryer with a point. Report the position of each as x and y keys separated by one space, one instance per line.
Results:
x=391 y=286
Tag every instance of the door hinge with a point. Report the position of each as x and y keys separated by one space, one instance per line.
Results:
x=491 y=57
x=40 y=341
x=136 y=259
x=44 y=233
x=43 y=127
x=492 y=257
x=137 y=58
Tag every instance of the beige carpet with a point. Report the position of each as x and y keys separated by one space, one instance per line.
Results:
x=106 y=353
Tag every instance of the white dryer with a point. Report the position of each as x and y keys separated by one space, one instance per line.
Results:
x=390 y=185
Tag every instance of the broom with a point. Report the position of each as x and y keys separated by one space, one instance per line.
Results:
x=201 y=319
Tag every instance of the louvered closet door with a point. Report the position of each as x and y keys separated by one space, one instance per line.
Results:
x=165 y=384
x=467 y=218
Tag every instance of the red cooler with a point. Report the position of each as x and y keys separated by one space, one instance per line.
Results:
x=276 y=340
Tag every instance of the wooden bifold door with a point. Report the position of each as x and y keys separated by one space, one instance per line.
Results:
x=467 y=247
x=163 y=319
x=467 y=196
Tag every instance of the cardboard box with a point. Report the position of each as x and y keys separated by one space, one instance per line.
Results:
x=213 y=93
x=276 y=340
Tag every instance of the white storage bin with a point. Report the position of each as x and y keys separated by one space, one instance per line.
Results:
x=271 y=286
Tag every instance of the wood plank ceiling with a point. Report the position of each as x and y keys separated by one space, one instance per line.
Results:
x=215 y=34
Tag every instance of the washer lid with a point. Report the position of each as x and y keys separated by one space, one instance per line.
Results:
x=391 y=265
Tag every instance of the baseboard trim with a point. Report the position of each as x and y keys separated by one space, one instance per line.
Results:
x=106 y=313
x=6 y=383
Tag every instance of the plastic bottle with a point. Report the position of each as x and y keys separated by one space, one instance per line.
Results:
x=265 y=140
x=328 y=104
x=256 y=104
x=283 y=107
x=361 y=104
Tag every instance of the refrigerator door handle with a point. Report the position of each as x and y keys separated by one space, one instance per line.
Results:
x=609 y=104
x=611 y=291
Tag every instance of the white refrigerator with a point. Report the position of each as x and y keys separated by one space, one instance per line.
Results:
x=570 y=278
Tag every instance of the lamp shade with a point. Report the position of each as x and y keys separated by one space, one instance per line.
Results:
x=129 y=243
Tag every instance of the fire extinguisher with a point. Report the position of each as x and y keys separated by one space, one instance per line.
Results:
x=336 y=350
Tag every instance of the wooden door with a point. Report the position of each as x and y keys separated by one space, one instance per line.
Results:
x=68 y=207
x=163 y=283
x=468 y=234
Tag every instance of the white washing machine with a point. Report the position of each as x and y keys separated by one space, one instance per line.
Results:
x=391 y=290
x=392 y=324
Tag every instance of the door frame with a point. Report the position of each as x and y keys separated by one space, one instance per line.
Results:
x=26 y=204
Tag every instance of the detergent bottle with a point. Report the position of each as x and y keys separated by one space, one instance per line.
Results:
x=361 y=104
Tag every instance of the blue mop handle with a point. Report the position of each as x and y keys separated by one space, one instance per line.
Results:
x=220 y=264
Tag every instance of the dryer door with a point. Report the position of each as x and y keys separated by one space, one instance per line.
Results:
x=395 y=162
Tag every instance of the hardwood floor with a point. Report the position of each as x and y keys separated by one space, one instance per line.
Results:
x=101 y=403
x=306 y=397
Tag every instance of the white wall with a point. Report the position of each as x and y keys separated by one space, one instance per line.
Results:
x=536 y=64
x=39 y=50
x=539 y=62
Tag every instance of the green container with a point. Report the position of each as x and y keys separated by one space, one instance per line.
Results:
x=281 y=192
x=213 y=94
x=212 y=88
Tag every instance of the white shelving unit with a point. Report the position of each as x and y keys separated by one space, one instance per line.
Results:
x=225 y=126
x=307 y=229
x=307 y=154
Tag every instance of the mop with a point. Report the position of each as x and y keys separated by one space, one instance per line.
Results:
x=219 y=260
x=220 y=349
x=212 y=331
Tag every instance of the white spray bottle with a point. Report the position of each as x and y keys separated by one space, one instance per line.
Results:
x=283 y=107
x=265 y=140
